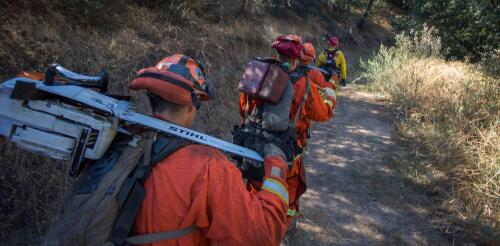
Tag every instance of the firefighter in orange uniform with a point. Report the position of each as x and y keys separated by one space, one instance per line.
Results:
x=314 y=74
x=197 y=189
x=308 y=104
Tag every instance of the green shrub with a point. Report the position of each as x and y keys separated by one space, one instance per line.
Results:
x=449 y=112
x=467 y=29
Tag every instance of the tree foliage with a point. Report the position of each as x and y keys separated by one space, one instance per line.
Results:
x=467 y=28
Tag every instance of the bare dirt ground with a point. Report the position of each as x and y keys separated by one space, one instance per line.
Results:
x=355 y=194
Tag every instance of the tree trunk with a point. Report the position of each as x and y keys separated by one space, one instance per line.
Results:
x=365 y=16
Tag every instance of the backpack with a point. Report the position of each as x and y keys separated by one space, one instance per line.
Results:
x=330 y=64
x=264 y=79
x=259 y=127
x=101 y=206
x=330 y=55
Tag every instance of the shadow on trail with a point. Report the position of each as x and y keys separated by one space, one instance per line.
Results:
x=355 y=195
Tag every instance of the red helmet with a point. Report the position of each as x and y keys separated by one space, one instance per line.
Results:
x=179 y=79
x=309 y=53
x=290 y=45
x=333 y=41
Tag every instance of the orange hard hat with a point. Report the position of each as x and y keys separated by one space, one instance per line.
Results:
x=179 y=79
x=290 y=45
x=309 y=53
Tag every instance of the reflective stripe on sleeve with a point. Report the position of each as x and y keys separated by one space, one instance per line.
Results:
x=330 y=103
x=275 y=187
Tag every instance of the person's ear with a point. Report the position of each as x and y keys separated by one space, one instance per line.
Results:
x=294 y=62
x=190 y=109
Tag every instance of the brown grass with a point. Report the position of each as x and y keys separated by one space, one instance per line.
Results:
x=449 y=115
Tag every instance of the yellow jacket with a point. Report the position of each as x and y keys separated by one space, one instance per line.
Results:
x=339 y=60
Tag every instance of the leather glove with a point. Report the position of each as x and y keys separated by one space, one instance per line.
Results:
x=333 y=84
x=343 y=82
x=273 y=150
x=330 y=96
x=254 y=170
x=330 y=93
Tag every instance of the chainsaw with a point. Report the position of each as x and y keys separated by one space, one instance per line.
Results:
x=68 y=116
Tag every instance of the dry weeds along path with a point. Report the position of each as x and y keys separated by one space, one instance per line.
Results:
x=355 y=194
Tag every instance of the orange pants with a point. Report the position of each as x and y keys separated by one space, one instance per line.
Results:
x=296 y=181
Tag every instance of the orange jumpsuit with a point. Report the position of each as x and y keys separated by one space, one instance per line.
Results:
x=314 y=109
x=317 y=77
x=197 y=185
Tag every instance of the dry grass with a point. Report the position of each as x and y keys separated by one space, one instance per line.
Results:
x=31 y=186
x=449 y=114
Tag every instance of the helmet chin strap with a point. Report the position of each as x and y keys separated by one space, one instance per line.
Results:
x=196 y=100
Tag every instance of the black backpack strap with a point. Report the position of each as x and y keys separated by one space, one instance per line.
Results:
x=132 y=193
x=304 y=100
x=166 y=145
x=333 y=52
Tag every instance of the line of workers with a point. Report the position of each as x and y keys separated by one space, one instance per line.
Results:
x=211 y=194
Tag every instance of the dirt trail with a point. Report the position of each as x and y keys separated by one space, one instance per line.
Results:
x=355 y=195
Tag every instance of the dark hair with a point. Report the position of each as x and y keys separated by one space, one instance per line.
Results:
x=284 y=58
x=160 y=105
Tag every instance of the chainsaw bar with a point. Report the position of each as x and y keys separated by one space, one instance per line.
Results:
x=122 y=110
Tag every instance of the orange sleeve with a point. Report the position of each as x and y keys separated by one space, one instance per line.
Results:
x=317 y=109
x=238 y=217
x=318 y=78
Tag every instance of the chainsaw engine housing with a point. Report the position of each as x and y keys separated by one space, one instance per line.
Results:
x=56 y=128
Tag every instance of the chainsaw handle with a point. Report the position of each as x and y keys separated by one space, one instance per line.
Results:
x=99 y=81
